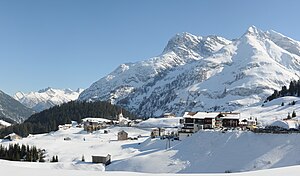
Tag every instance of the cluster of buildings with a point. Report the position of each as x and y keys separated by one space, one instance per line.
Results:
x=94 y=124
x=195 y=121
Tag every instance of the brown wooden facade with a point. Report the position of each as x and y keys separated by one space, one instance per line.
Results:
x=106 y=160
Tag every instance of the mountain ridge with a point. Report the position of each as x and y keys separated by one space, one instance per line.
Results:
x=197 y=73
x=46 y=98
x=11 y=110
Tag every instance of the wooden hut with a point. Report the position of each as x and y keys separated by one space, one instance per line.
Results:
x=106 y=160
x=122 y=135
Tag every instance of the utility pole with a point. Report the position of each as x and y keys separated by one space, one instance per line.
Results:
x=168 y=142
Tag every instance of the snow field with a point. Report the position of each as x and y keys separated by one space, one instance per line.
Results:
x=204 y=152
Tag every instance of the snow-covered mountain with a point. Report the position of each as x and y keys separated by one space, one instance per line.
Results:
x=203 y=73
x=12 y=110
x=46 y=98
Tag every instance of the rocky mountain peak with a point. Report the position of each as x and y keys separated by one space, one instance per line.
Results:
x=45 y=90
x=202 y=74
x=46 y=98
x=254 y=33
x=186 y=44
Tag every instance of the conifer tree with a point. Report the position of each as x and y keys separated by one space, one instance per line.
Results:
x=16 y=153
x=283 y=91
x=53 y=159
x=294 y=114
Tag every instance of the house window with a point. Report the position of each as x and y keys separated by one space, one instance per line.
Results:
x=189 y=120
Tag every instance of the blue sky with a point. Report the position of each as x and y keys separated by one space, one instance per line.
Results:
x=72 y=43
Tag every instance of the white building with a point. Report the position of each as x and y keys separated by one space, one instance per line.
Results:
x=195 y=121
x=168 y=115
x=122 y=120
x=248 y=123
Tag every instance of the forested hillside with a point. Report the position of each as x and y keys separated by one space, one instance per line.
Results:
x=48 y=120
x=293 y=90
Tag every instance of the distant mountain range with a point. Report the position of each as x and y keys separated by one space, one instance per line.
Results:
x=196 y=73
x=11 y=110
x=46 y=98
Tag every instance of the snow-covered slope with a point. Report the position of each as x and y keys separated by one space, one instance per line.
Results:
x=203 y=73
x=18 y=169
x=204 y=152
x=11 y=109
x=47 y=98
x=272 y=111
x=214 y=152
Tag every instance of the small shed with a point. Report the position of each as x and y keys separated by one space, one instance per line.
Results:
x=65 y=126
x=67 y=138
x=12 y=137
x=168 y=115
x=106 y=160
x=122 y=135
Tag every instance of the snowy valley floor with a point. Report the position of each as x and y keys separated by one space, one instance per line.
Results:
x=8 y=168
x=204 y=152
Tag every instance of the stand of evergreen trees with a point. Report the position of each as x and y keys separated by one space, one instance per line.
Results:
x=54 y=159
x=48 y=120
x=293 y=90
x=15 y=152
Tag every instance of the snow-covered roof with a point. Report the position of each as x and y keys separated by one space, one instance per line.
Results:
x=231 y=117
x=200 y=115
x=168 y=114
x=248 y=120
x=286 y=124
x=91 y=119
x=122 y=131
